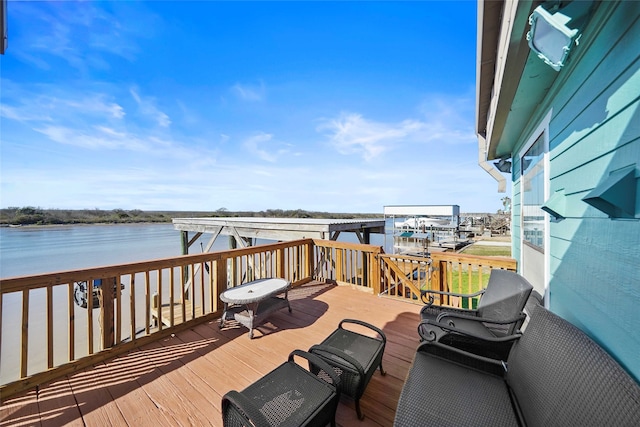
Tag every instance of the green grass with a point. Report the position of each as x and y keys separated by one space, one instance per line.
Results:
x=488 y=250
x=466 y=285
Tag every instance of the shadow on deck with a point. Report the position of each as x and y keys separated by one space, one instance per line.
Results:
x=181 y=379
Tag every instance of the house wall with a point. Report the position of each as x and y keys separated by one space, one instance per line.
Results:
x=595 y=129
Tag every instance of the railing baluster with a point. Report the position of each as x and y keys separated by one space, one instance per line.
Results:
x=90 y=284
x=172 y=299
x=158 y=303
x=72 y=322
x=132 y=301
x=202 y=270
x=182 y=301
x=190 y=294
x=212 y=273
x=25 y=334
x=147 y=303
x=49 y=327
x=118 y=308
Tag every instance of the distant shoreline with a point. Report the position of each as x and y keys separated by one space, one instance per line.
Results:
x=73 y=224
x=30 y=216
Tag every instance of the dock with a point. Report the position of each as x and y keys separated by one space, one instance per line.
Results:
x=180 y=312
x=244 y=229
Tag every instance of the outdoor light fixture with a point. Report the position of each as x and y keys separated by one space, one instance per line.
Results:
x=550 y=37
x=503 y=165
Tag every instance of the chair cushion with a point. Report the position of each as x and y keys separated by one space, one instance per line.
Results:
x=442 y=393
x=506 y=294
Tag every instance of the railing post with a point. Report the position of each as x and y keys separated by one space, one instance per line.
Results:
x=221 y=280
x=309 y=259
x=279 y=262
x=437 y=274
x=339 y=265
x=375 y=269
x=443 y=277
x=365 y=268
x=105 y=296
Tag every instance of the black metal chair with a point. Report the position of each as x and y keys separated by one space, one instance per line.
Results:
x=494 y=324
x=288 y=396
x=353 y=356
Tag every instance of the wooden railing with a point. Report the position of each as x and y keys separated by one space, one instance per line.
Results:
x=406 y=277
x=45 y=332
x=347 y=264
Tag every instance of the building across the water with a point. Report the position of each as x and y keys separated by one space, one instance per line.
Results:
x=420 y=229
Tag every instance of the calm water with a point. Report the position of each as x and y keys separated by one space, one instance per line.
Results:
x=33 y=250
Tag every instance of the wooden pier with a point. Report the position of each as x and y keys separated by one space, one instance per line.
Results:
x=276 y=229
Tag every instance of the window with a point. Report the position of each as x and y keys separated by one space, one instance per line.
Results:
x=533 y=194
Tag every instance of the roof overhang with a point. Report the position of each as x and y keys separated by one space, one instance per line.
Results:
x=511 y=80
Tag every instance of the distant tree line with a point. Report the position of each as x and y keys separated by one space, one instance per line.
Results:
x=37 y=216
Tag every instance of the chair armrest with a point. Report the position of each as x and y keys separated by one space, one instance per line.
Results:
x=429 y=300
x=245 y=406
x=448 y=328
x=443 y=308
x=519 y=317
x=315 y=360
x=456 y=355
x=341 y=354
x=367 y=325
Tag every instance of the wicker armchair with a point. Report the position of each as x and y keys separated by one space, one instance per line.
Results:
x=287 y=396
x=499 y=311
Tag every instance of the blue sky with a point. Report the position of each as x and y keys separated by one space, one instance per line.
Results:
x=327 y=106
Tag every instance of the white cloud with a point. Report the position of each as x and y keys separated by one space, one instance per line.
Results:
x=96 y=103
x=350 y=133
x=148 y=108
x=249 y=92
x=449 y=119
x=22 y=114
x=58 y=30
x=48 y=103
x=94 y=138
x=256 y=143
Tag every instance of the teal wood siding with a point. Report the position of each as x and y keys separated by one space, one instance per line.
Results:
x=594 y=130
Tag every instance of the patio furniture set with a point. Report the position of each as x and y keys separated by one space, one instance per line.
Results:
x=293 y=396
x=494 y=365
x=545 y=373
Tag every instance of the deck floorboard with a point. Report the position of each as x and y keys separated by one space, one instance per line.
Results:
x=180 y=380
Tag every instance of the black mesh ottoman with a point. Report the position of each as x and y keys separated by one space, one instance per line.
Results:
x=288 y=396
x=353 y=356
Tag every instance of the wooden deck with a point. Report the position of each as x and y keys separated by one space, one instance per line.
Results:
x=180 y=380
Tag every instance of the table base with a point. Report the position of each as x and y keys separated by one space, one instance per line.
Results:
x=253 y=314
